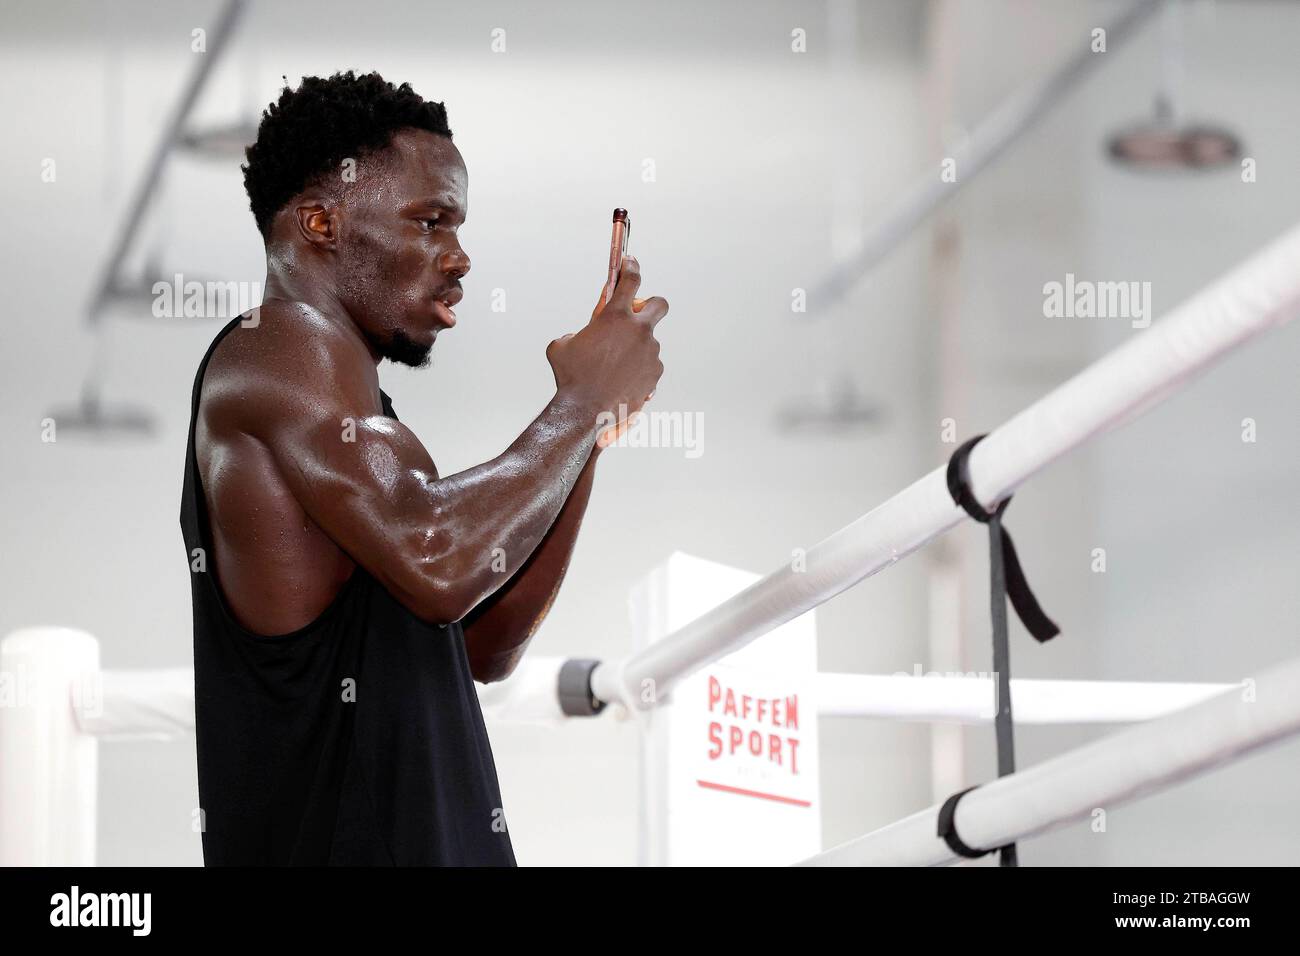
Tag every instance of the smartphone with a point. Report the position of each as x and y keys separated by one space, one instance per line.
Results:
x=617 y=250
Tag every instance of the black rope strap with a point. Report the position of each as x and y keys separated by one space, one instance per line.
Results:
x=1007 y=579
x=948 y=829
x=1017 y=588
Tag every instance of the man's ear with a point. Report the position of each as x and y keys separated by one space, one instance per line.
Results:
x=317 y=224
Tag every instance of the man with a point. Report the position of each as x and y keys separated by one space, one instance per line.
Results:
x=346 y=596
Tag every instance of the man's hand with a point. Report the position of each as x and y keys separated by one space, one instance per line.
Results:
x=613 y=362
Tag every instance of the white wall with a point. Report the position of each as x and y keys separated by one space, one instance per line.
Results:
x=760 y=155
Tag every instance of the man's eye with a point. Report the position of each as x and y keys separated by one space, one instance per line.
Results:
x=431 y=223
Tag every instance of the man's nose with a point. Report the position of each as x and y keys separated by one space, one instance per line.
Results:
x=454 y=263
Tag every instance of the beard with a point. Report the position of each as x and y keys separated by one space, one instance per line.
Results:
x=404 y=350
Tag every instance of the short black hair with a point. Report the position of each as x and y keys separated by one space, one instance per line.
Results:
x=311 y=130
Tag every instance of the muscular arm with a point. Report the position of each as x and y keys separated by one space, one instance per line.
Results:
x=310 y=394
x=499 y=629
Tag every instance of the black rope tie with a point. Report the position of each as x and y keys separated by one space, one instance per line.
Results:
x=948 y=829
x=1007 y=579
x=1016 y=587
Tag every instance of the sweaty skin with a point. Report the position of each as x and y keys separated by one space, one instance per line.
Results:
x=305 y=478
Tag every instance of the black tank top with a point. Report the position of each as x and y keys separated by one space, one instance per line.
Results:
x=356 y=740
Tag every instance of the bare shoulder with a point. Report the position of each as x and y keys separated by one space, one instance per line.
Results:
x=286 y=360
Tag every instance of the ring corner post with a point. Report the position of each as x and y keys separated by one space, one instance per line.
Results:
x=48 y=766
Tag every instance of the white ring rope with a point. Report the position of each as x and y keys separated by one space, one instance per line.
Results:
x=973 y=700
x=159 y=704
x=1261 y=293
x=1075 y=784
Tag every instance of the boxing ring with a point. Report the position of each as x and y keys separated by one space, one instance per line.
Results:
x=58 y=702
